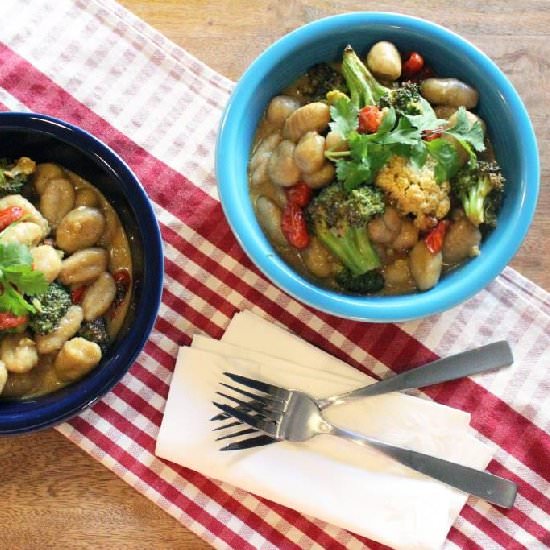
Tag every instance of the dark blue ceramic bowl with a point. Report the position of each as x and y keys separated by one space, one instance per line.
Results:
x=44 y=139
x=500 y=106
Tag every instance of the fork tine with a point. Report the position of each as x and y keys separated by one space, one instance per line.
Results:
x=220 y=416
x=254 y=405
x=259 y=441
x=231 y=424
x=267 y=400
x=257 y=385
x=246 y=431
x=255 y=421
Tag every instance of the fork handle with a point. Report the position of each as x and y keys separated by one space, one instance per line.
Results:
x=485 y=358
x=497 y=490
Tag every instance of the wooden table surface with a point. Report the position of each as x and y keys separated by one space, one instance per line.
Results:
x=53 y=494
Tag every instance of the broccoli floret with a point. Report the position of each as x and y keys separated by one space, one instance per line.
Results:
x=406 y=99
x=339 y=219
x=96 y=331
x=479 y=188
x=367 y=283
x=50 y=307
x=321 y=79
x=363 y=87
x=14 y=175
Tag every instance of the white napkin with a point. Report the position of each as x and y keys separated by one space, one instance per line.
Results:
x=354 y=487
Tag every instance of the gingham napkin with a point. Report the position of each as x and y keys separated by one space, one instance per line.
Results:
x=159 y=108
x=340 y=482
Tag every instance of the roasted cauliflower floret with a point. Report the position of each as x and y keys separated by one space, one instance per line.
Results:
x=415 y=190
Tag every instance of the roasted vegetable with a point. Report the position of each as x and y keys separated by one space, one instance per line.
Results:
x=367 y=283
x=405 y=99
x=364 y=89
x=50 y=308
x=96 y=331
x=479 y=188
x=14 y=175
x=321 y=79
x=339 y=219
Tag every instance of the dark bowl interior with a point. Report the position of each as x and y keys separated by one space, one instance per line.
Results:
x=50 y=140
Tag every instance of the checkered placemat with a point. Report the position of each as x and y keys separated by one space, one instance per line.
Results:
x=94 y=64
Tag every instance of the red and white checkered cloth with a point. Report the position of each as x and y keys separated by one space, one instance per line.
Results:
x=94 y=64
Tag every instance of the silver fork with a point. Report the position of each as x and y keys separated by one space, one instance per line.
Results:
x=295 y=416
x=474 y=361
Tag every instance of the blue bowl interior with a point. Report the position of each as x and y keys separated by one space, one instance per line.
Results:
x=49 y=140
x=509 y=128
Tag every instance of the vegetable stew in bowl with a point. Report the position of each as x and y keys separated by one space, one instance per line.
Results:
x=66 y=272
x=78 y=188
x=374 y=175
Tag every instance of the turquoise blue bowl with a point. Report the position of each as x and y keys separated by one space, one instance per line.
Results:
x=47 y=139
x=500 y=106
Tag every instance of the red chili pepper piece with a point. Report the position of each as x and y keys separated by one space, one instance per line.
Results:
x=370 y=118
x=413 y=65
x=293 y=226
x=435 y=238
x=299 y=194
x=122 y=281
x=9 y=320
x=430 y=135
x=77 y=294
x=10 y=215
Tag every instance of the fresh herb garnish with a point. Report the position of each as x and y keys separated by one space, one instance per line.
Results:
x=344 y=116
x=466 y=132
x=403 y=136
x=18 y=279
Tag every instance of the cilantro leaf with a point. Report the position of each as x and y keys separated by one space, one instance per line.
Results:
x=344 y=115
x=18 y=278
x=353 y=174
x=466 y=132
x=24 y=278
x=417 y=153
x=404 y=133
x=13 y=302
x=387 y=124
x=427 y=119
x=14 y=254
x=446 y=157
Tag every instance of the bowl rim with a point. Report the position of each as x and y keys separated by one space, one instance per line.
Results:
x=97 y=383
x=373 y=309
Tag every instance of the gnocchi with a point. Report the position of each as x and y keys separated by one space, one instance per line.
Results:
x=76 y=358
x=313 y=117
x=282 y=167
x=309 y=154
x=44 y=173
x=80 y=228
x=67 y=328
x=84 y=266
x=99 y=297
x=280 y=108
x=47 y=259
x=56 y=200
x=18 y=352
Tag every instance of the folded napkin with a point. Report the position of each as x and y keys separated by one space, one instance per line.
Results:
x=354 y=487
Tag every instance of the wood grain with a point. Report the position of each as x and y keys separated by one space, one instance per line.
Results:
x=56 y=496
